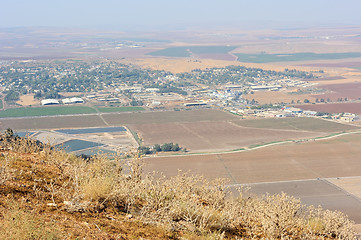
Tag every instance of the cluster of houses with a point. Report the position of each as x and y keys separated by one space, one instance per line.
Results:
x=72 y=100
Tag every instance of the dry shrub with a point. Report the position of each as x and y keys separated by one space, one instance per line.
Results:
x=274 y=216
x=6 y=172
x=329 y=224
x=20 y=144
x=187 y=202
x=192 y=203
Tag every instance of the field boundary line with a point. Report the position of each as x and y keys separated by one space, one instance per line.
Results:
x=341 y=189
x=272 y=182
x=226 y=168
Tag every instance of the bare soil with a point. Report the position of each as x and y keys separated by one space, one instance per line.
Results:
x=213 y=136
x=336 y=157
x=333 y=107
x=347 y=90
x=51 y=122
x=27 y=100
x=267 y=97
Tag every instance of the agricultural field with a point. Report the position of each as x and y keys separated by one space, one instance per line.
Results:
x=290 y=57
x=291 y=167
x=350 y=107
x=62 y=110
x=218 y=56
x=114 y=119
x=168 y=117
x=213 y=136
x=46 y=111
x=119 y=109
x=197 y=130
x=327 y=158
x=346 y=90
x=299 y=124
x=187 y=51
x=355 y=65
x=35 y=123
x=270 y=97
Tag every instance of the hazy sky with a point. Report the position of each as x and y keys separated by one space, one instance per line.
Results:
x=150 y=14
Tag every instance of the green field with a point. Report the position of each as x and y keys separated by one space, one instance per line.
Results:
x=45 y=111
x=188 y=50
x=1 y=104
x=303 y=124
x=120 y=109
x=288 y=57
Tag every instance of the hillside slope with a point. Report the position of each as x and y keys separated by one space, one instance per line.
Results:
x=49 y=194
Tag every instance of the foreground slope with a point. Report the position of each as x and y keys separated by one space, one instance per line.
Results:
x=49 y=194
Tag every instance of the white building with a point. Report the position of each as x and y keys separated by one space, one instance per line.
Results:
x=49 y=102
x=72 y=100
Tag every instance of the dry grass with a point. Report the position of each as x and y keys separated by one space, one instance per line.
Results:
x=28 y=100
x=18 y=223
x=185 y=206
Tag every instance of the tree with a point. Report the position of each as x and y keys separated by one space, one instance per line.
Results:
x=12 y=96
x=136 y=103
x=157 y=148
x=175 y=147
x=144 y=150
x=166 y=147
x=306 y=101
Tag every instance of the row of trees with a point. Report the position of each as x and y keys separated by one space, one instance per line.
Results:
x=165 y=147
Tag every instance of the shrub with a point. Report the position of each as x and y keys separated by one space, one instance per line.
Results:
x=185 y=202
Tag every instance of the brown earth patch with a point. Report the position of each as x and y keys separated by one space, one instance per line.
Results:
x=219 y=56
x=27 y=100
x=336 y=157
x=333 y=107
x=346 y=90
x=337 y=65
x=267 y=97
x=213 y=136
x=51 y=122
x=168 y=117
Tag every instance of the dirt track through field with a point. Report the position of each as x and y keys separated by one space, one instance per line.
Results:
x=214 y=136
x=337 y=156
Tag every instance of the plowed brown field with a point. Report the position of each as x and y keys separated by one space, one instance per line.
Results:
x=333 y=107
x=336 y=157
x=213 y=136
x=347 y=90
